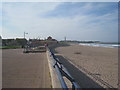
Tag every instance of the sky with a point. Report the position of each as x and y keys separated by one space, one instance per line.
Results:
x=74 y=20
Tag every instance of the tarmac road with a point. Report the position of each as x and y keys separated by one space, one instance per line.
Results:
x=24 y=70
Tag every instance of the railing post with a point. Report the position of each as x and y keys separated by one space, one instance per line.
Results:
x=73 y=87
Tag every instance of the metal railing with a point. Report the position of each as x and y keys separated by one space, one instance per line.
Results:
x=62 y=72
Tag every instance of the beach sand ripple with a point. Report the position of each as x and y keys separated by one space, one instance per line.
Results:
x=100 y=63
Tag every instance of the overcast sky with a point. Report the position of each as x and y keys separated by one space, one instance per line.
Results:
x=75 y=20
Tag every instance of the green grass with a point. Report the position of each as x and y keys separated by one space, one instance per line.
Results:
x=9 y=47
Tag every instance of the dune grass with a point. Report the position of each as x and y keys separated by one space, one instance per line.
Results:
x=9 y=47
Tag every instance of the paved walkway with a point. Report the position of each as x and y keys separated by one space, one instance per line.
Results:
x=25 y=70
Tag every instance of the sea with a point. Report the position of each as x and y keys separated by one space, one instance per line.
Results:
x=101 y=45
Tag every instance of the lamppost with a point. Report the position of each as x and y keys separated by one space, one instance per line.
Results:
x=24 y=34
x=24 y=39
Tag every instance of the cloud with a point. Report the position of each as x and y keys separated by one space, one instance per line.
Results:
x=0 y=18
x=60 y=0
x=82 y=8
x=42 y=19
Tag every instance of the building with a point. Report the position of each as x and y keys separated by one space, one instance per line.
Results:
x=49 y=38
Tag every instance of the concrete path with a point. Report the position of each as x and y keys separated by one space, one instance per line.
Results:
x=22 y=70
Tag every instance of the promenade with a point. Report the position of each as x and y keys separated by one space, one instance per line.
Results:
x=24 y=70
x=91 y=67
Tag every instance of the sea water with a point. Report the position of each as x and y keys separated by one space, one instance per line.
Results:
x=101 y=45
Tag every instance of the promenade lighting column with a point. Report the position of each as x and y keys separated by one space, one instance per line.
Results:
x=24 y=34
x=24 y=39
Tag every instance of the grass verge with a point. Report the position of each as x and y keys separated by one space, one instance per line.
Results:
x=9 y=47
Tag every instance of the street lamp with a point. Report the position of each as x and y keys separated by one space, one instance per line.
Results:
x=24 y=34
x=24 y=39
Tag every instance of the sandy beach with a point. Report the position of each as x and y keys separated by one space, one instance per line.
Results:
x=98 y=63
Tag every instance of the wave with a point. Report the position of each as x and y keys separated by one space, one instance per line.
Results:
x=101 y=45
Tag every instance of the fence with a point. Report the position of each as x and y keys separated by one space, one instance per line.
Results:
x=62 y=72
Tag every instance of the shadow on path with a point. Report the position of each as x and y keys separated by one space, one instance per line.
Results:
x=83 y=80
